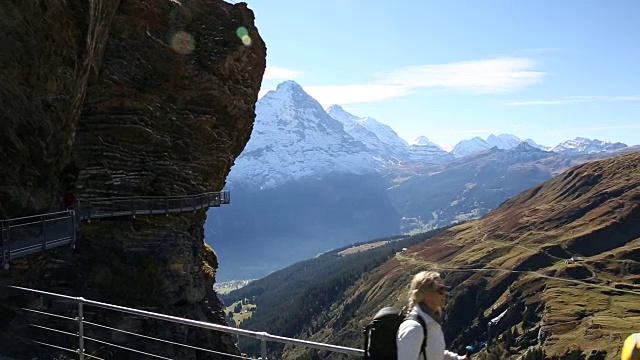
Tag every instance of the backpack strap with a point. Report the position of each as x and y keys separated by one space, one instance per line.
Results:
x=365 y=330
x=420 y=321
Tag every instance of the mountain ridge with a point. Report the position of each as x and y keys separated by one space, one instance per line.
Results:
x=295 y=137
x=359 y=169
x=556 y=263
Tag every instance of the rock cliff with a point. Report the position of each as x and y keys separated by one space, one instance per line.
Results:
x=125 y=98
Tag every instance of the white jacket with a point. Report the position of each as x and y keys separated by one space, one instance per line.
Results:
x=409 y=339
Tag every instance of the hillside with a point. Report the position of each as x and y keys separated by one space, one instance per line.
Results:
x=311 y=179
x=430 y=196
x=515 y=262
x=284 y=224
x=305 y=289
x=467 y=188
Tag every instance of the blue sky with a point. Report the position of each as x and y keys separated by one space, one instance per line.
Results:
x=549 y=70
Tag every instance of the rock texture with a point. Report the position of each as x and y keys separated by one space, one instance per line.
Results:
x=174 y=102
x=43 y=67
x=125 y=98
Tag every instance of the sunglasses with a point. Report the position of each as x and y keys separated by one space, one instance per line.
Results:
x=443 y=290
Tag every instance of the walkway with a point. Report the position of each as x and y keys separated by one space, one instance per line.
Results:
x=84 y=342
x=31 y=234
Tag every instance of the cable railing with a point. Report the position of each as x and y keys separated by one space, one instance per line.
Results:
x=148 y=205
x=31 y=234
x=86 y=342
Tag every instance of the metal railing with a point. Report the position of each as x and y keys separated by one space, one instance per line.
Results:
x=32 y=234
x=82 y=339
x=148 y=205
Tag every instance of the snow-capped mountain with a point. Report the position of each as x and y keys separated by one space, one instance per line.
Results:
x=536 y=145
x=471 y=146
x=332 y=177
x=376 y=136
x=424 y=150
x=385 y=143
x=503 y=141
x=424 y=141
x=525 y=152
x=293 y=137
x=580 y=146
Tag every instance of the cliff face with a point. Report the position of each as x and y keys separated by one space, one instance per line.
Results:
x=41 y=57
x=125 y=98
x=174 y=101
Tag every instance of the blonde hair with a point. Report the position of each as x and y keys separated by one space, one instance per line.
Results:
x=421 y=284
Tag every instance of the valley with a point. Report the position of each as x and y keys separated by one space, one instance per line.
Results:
x=557 y=263
x=312 y=179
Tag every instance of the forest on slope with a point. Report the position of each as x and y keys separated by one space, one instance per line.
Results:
x=288 y=300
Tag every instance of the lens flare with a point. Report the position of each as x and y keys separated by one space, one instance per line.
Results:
x=243 y=34
x=182 y=43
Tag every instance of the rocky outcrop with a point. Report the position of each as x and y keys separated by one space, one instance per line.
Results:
x=42 y=59
x=126 y=98
x=174 y=101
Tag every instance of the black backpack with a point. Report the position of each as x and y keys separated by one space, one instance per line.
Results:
x=380 y=334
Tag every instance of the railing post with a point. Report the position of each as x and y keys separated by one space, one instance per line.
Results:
x=73 y=229
x=263 y=349
x=5 y=259
x=6 y=253
x=44 y=234
x=193 y=203
x=133 y=201
x=80 y=330
x=166 y=206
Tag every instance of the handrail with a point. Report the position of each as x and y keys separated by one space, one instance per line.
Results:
x=36 y=216
x=263 y=336
x=157 y=196
x=86 y=210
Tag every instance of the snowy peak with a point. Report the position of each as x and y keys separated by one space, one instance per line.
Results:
x=385 y=133
x=524 y=146
x=289 y=86
x=379 y=138
x=421 y=140
x=477 y=144
x=503 y=141
x=293 y=137
x=471 y=146
x=340 y=114
x=289 y=95
x=423 y=149
x=536 y=145
x=580 y=145
x=524 y=152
